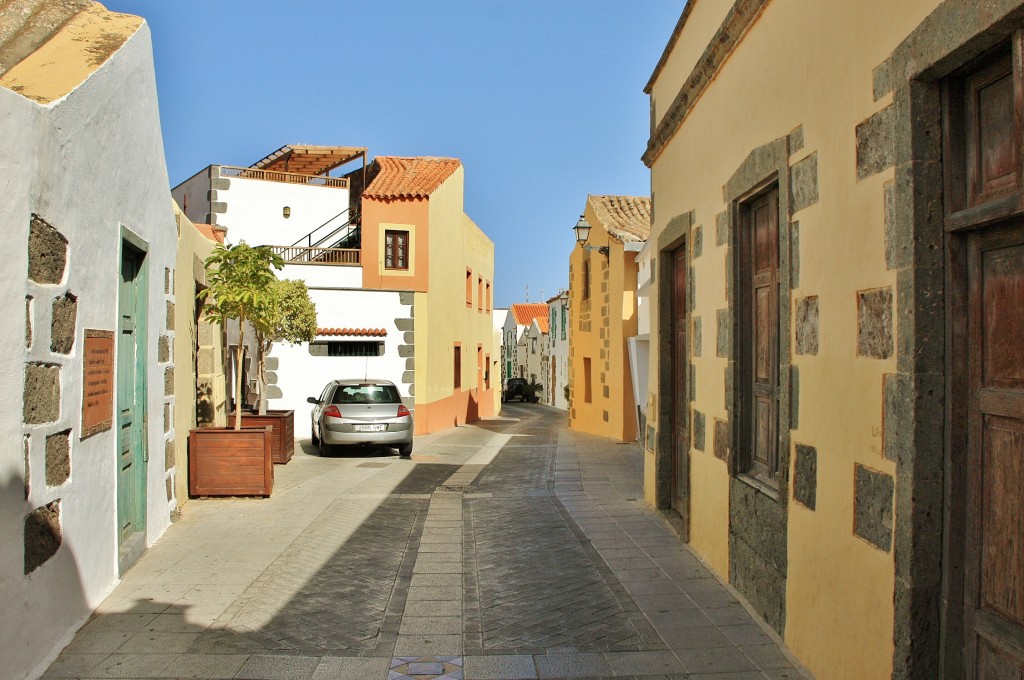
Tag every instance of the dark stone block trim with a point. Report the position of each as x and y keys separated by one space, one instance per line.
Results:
x=758 y=519
x=926 y=608
x=805 y=476
x=872 y=507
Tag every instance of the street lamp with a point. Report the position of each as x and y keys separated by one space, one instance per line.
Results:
x=582 y=230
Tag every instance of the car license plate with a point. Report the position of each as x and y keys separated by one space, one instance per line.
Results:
x=370 y=428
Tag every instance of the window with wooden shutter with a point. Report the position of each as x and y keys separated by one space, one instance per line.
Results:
x=759 y=337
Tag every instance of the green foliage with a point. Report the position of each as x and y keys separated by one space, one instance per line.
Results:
x=240 y=287
x=239 y=282
x=533 y=391
x=290 y=317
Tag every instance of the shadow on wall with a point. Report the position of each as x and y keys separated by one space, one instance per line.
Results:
x=41 y=588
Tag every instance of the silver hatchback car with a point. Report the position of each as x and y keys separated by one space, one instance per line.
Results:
x=353 y=412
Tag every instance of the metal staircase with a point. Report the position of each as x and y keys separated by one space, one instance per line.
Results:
x=341 y=232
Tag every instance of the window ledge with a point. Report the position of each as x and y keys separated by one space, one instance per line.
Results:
x=764 y=487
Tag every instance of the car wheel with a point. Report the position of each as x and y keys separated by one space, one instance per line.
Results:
x=405 y=450
x=316 y=440
x=325 y=449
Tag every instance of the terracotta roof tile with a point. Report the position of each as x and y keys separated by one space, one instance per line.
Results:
x=625 y=218
x=542 y=324
x=404 y=177
x=215 y=234
x=525 y=312
x=357 y=332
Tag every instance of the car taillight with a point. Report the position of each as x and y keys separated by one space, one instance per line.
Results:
x=403 y=411
x=332 y=412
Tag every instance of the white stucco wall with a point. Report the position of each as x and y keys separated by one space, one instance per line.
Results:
x=254 y=211
x=497 y=354
x=301 y=375
x=88 y=164
x=324 y=276
x=558 y=350
x=535 y=346
x=193 y=197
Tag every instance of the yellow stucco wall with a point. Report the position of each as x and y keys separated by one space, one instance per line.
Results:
x=442 y=317
x=608 y=369
x=191 y=245
x=804 y=63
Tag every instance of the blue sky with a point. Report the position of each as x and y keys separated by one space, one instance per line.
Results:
x=542 y=100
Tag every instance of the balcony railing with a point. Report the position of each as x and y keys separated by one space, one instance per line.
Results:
x=286 y=177
x=346 y=257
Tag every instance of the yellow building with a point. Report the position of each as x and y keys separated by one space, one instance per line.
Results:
x=602 y=297
x=200 y=391
x=836 y=382
x=416 y=237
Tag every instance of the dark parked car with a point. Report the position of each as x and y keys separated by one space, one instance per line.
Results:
x=354 y=412
x=518 y=388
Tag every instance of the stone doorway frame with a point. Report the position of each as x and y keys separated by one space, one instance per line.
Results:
x=919 y=395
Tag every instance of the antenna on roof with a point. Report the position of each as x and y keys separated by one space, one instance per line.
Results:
x=527 y=292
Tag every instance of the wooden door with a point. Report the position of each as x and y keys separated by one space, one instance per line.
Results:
x=131 y=474
x=764 y=336
x=994 y=564
x=680 y=382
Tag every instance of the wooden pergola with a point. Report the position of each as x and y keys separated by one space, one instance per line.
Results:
x=302 y=159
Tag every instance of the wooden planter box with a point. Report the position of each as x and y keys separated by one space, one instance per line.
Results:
x=227 y=462
x=282 y=436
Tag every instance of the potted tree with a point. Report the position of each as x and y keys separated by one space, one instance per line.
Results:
x=287 y=314
x=235 y=461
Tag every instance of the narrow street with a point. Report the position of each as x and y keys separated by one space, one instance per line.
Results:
x=512 y=548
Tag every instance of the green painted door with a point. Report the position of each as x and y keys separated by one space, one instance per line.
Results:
x=131 y=468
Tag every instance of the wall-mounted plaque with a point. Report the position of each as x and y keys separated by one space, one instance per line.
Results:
x=97 y=382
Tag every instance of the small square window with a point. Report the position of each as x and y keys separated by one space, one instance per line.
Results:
x=396 y=249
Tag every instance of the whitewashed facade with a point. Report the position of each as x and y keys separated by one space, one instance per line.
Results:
x=534 y=346
x=511 y=335
x=84 y=181
x=358 y=328
x=557 y=378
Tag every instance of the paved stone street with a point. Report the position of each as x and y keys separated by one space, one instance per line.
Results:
x=511 y=548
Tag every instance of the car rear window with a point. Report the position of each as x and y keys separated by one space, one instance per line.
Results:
x=366 y=394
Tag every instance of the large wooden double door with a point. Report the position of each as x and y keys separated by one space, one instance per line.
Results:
x=994 y=545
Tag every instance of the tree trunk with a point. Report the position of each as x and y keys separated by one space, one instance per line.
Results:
x=239 y=370
x=261 y=373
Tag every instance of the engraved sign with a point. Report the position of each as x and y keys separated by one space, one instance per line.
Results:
x=97 y=382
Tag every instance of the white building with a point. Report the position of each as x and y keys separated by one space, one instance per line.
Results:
x=87 y=295
x=639 y=345
x=518 y=319
x=498 y=317
x=361 y=242
x=557 y=376
x=534 y=353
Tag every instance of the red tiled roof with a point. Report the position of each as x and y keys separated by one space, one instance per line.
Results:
x=525 y=312
x=542 y=324
x=402 y=177
x=625 y=218
x=211 y=232
x=359 y=332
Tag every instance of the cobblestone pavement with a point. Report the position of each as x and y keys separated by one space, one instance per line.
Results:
x=509 y=549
